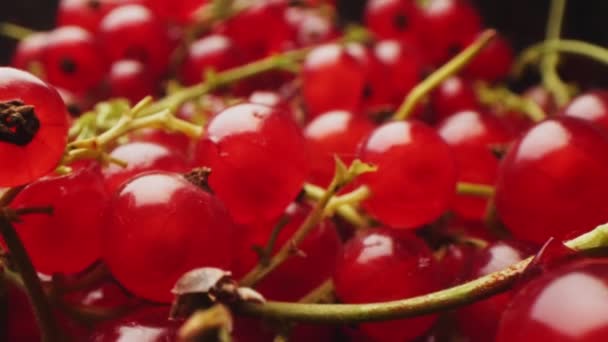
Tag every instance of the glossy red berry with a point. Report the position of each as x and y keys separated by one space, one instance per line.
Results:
x=310 y=26
x=134 y=32
x=141 y=157
x=381 y=265
x=33 y=127
x=591 y=106
x=472 y=135
x=494 y=62
x=258 y=160
x=160 y=226
x=453 y=95
x=214 y=52
x=334 y=133
x=542 y=97
x=129 y=78
x=331 y=79
x=72 y=59
x=78 y=200
x=478 y=322
x=86 y=13
x=416 y=177
x=566 y=304
x=551 y=181
x=393 y=19
x=447 y=28
x=176 y=11
x=148 y=324
x=29 y=51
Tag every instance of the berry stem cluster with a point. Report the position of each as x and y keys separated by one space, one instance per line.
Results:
x=502 y=96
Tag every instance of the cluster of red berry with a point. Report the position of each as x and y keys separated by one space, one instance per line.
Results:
x=473 y=182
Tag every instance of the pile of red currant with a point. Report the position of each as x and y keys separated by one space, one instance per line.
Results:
x=372 y=182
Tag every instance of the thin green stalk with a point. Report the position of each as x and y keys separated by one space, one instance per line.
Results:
x=503 y=97
x=476 y=190
x=444 y=72
x=454 y=297
x=550 y=76
x=14 y=31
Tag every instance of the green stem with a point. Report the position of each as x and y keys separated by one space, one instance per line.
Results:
x=346 y=211
x=502 y=96
x=444 y=72
x=457 y=296
x=476 y=190
x=14 y=31
x=536 y=51
x=266 y=252
x=41 y=306
x=550 y=76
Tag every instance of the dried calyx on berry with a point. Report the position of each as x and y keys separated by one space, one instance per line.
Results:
x=18 y=122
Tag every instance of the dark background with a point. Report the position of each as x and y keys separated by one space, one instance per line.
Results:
x=522 y=21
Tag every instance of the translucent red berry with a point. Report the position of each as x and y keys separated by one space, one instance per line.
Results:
x=334 y=133
x=551 y=181
x=472 y=135
x=381 y=265
x=591 y=106
x=392 y=19
x=310 y=26
x=72 y=59
x=86 y=13
x=566 y=304
x=78 y=201
x=160 y=226
x=141 y=157
x=29 y=51
x=453 y=95
x=130 y=79
x=147 y=324
x=213 y=52
x=258 y=160
x=33 y=127
x=494 y=62
x=331 y=79
x=416 y=177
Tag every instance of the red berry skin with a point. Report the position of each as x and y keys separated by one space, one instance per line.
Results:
x=34 y=159
x=180 y=12
x=29 y=50
x=78 y=201
x=310 y=27
x=447 y=28
x=381 y=265
x=102 y=294
x=258 y=159
x=493 y=63
x=214 y=52
x=86 y=13
x=299 y=274
x=478 y=322
x=161 y=211
x=134 y=32
x=471 y=135
x=334 y=133
x=550 y=182
x=393 y=19
x=141 y=157
x=72 y=59
x=331 y=79
x=148 y=324
x=129 y=78
x=591 y=106
x=416 y=177
x=542 y=97
x=453 y=95
x=565 y=304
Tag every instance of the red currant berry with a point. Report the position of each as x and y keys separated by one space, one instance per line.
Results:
x=267 y=98
x=178 y=11
x=33 y=127
x=331 y=79
x=86 y=13
x=134 y=32
x=129 y=78
x=416 y=177
x=72 y=59
x=213 y=52
x=393 y=19
x=542 y=97
x=591 y=106
x=569 y=303
x=453 y=95
x=141 y=157
x=447 y=28
x=78 y=201
x=310 y=27
x=160 y=226
x=258 y=160
x=102 y=294
x=381 y=265
x=493 y=63
x=148 y=324
x=334 y=133
x=550 y=181
x=471 y=135
x=30 y=50
x=479 y=321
